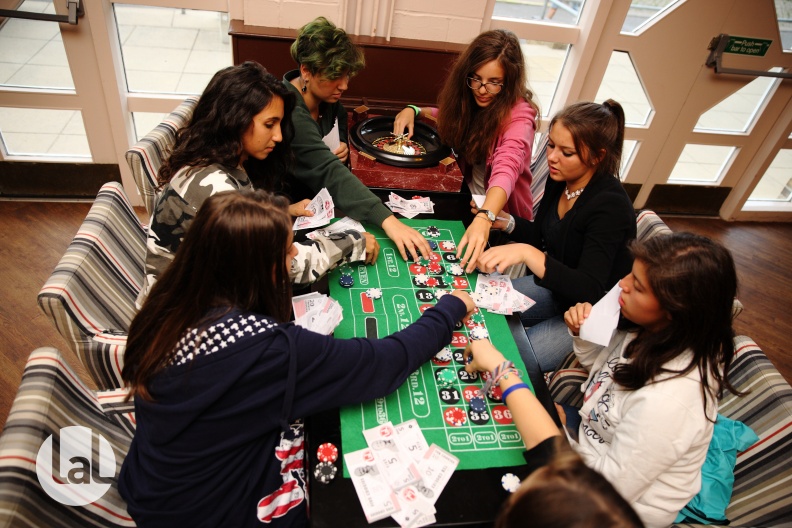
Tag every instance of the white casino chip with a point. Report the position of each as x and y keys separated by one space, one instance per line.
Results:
x=421 y=278
x=374 y=293
x=456 y=270
x=440 y=293
x=510 y=482
x=479 y=332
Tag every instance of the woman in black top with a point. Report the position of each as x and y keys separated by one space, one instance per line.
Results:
x=575 y=250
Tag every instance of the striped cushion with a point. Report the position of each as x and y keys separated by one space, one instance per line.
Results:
x=763 y=476
x=146 y=156
x=93 y=288
x=649 y=225
x=539 y=171
x=51 y=397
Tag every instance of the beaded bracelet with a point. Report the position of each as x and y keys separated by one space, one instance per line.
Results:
x=417 y=109
x=512 y=389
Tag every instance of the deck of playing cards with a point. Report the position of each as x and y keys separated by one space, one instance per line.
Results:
x=323 y=211
x=495 y=293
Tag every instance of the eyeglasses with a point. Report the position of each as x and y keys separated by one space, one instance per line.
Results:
x=491 y=87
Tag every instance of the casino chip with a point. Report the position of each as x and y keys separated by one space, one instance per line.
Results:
x=444 y=355
x=420 y=279
x=446 y=377
x=327 y=452
x=455 y=416
x=433 y=231
x=510 y=482
x=346 y=281
x=478 y=404
x=440 y=293
x=325 y=472
x=433 y=245
x=479 y=332
x=456 y=270
x=447 y=246
x=374 y=293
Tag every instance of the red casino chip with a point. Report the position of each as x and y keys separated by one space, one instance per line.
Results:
x=327 y=453
x=455 y=416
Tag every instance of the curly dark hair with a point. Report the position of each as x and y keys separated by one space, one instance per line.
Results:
x=223 y=113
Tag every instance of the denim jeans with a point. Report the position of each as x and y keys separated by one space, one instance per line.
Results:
x=547 y=333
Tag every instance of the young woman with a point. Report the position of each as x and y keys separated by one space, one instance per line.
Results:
x=576 y=248
x=651 y=398
x=488 y=116
x=219 y=376
x=554 y=477
x=239 y=136
x=327 y=60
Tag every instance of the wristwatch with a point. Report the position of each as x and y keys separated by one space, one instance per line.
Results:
x=490 y=215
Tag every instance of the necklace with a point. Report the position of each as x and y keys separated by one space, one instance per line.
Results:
x=573 y=194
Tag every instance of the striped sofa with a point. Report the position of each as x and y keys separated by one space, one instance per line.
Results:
x=762 y=493
x=52 y=397
x=90 y=296
x=145 y=157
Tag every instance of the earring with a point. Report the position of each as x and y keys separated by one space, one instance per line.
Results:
x=305 y=86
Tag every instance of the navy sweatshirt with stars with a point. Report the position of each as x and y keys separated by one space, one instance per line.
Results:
x=221 y=443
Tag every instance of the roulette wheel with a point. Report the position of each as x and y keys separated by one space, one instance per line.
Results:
x=375 y=137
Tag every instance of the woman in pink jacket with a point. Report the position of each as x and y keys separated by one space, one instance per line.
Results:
x=488 y=116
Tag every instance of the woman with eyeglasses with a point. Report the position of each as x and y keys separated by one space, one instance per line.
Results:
x=488 y=116
x=327 y=60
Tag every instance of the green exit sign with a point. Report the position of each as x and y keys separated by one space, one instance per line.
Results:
x=747 y=46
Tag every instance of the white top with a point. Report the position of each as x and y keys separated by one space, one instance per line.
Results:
x=649 y=443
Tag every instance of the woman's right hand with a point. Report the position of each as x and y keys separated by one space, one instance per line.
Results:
x=485 y=357
x=404 y=119
x=575 y=316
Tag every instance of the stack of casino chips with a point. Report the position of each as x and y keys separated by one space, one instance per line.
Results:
x=325 y=470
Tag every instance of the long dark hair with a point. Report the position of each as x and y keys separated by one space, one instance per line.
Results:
x=566 y=492
x=695 y=282
x=233 y=256
x=223 y=114
x=461 y=123
x=598 y=134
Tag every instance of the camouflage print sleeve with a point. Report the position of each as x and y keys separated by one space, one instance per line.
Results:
x=317 y=257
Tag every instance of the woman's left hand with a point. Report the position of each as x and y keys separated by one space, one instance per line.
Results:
x=342 y=152
x=408 y=241
x=473 y=242
x=499 y=258
x=299 y=208
x=372 y=248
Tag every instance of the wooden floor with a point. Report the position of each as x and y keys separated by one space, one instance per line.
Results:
x=34 y=235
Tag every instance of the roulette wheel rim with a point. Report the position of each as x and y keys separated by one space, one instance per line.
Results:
x=365 y=133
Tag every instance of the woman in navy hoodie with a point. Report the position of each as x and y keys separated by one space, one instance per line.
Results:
x=220 y=377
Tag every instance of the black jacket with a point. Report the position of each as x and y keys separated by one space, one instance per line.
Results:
x=595 y=232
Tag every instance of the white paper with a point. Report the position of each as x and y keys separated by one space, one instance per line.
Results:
x=332 y=140
x=599 y=326
x=479 y=199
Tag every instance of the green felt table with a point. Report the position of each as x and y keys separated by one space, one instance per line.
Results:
x=485 y=439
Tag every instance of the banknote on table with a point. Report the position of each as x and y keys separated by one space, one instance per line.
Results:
x=410 y=208
x=376 y=496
